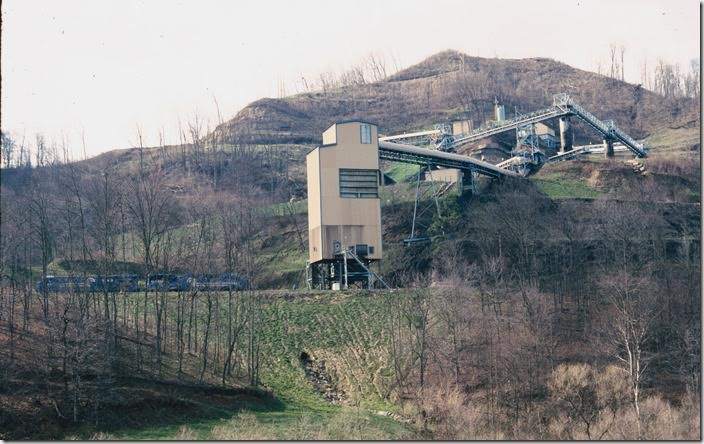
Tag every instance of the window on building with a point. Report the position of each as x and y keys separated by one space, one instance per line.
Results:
x=366 y=131
x=359 y=183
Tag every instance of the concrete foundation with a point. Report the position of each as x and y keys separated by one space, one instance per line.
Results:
x=566 y=134
x=609 y=148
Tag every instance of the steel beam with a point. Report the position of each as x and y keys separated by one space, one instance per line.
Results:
x=399 y=152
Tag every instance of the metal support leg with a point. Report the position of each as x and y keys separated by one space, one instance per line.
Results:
x=417 y=213
x=415 y=206
x=309 y=275
x=368 y=270
x=435 y=193
x=344 y=258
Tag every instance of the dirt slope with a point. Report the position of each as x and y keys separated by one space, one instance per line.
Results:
x=447 y=85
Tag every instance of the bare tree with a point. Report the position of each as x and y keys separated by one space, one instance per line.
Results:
x=149 y=203
x=692 y=80
x=616 y=57
x=41 y=151
x=629 y=327
x=253 y=313
x=104 y=198
x=376 y=65
x=7 y=155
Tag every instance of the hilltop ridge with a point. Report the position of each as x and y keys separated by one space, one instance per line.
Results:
x=449 y=85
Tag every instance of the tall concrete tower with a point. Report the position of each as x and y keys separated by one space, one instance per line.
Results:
x=566 y=134
x=344 y=210
x=499 y=111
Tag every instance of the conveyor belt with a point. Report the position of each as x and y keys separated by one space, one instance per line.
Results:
x=400 y=152
x=563 y=105
x=409 y=135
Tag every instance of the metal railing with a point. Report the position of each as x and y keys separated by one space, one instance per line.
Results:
x=628 y=141
x=608 y=128
x=590 y=118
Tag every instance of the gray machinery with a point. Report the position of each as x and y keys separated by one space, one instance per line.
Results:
x=564 y=108
x=341 y=252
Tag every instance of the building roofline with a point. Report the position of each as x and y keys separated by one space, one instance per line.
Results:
x=314 y=148
x=341 y=122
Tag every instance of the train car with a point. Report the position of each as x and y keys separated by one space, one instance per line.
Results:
x=201 y=282
x=114 y=283
x=57 y=284
x=129 y=282
x=169 y=282
x=222 y=282
x=231 y=281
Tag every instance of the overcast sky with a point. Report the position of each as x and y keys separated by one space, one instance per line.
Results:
x=103 y=67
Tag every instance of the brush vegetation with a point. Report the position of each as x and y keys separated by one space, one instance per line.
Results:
x=566 y=306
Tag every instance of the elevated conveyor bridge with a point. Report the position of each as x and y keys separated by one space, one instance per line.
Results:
x=400 y=152
x=563 y=105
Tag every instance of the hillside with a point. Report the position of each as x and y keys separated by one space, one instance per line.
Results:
x=448 y=85
x=140 y=402
x=505 y=326
x=346 y=366
x=277 y=133
x=267 y=175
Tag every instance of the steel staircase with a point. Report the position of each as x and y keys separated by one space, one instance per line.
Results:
x=607 y=128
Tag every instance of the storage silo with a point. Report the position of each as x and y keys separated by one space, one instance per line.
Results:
x=344 y=210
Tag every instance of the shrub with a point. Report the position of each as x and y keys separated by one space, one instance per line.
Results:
x=591 y=404
x=573 y=389
x=446 y=412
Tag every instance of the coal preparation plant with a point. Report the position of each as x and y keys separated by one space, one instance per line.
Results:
x=343 y=176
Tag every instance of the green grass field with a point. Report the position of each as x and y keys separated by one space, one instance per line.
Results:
x=346 y=330
x=401 y=172
x=291 y=423
x=557 y=187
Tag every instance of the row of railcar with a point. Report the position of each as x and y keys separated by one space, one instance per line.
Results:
x=113 y=283
x=153 y=282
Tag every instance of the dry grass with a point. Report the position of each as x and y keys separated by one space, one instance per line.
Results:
x=435 y=89
x=185 y=433
x=345 y=425
x=241 y=427
x=101 y=436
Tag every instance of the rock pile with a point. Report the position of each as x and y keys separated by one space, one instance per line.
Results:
x=318 y=375
x=638 y=167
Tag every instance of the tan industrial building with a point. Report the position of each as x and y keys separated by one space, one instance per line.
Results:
x=448 y=175
x=460 y=127
x=543 y=129
x=344 y=209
